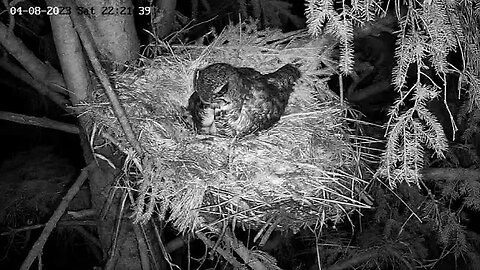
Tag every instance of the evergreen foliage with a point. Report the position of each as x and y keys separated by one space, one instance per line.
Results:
x=428 y=32
x=421 y=222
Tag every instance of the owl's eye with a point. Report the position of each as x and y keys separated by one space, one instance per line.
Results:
x=221 y=102
x=221 y=90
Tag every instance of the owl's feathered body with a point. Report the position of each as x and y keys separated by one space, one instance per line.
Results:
x=202 y=115
x=232 y=101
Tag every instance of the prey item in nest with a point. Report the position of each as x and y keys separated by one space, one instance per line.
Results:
x=233 y=101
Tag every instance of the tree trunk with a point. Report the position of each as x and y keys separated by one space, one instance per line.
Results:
x=166 y=15
x=115 y=35
x=115 y=38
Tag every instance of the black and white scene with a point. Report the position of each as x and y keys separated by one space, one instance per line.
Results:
x=240 y=134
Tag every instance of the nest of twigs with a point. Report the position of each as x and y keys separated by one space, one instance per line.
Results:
x=298 y=173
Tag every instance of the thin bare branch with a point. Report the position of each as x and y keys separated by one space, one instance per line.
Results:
x=52 y=222
x=39 y=122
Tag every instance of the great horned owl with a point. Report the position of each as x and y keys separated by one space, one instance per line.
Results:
x=233 y=101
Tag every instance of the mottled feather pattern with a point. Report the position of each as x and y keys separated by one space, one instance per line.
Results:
x=211 y=78
x=241 y=100
x=202 y=115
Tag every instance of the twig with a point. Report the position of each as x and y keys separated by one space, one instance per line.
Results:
x=60 y=223
x=150 y=247
x=96 y=247
x=166 y=255
x=38 y=245
x=450 y=174
x=35 y=67
x=351 y=263
x=36 y=84
x=226 y=255
x=19 y=72
x=452 y=120
x=87 y=235
x=142 y=247
x=175 y=244
x=112 y=252
x=220 y=237
x=243 y=252
x=269 y=232
x=40 y=262
x=39 y=122
x=141 y=239
x=81 y=214
x=369 y=91
x=11 y=18
x=15 y=2
x=86 y=38
x=401 y=200
x=340 y=83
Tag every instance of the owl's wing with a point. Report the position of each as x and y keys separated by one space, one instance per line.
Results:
x=266 y=103
x=250 y=104
x=255 y=110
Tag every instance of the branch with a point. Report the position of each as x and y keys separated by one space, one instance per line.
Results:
x=110 y=264
x=96 y=247
x=451 y=174
x=351 y=263
x=25 y=77
x=82 y=213
x=11 y=18
x=142 y=247
x=225 y=254
x=175 y=244
x=369 y=91
x=71 y=56
x=86 y=38
x=166 y=256
x=38 y=245
x=60 y=223
x=39 y=122
x=243 y=252
x=88 y=236
x=36 y=68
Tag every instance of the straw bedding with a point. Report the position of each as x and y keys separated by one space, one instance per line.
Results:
x=300 y=172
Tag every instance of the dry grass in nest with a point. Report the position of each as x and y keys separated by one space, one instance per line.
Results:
x=300 y=172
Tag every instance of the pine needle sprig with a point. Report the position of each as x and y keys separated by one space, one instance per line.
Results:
x=342 y=29
x=318 y=12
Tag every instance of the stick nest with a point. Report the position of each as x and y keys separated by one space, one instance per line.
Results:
x=298 y=173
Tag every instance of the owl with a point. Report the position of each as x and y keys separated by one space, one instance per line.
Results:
x=235 y=102
x=201 y=115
